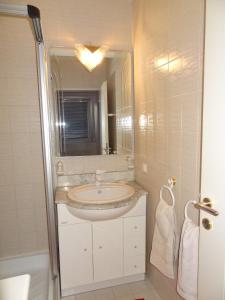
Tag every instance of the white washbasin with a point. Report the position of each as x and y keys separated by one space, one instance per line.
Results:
x=95 y=203
x=103 y=194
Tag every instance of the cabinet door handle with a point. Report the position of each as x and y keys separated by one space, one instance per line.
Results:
x=135 y=246
x=85 y=249
x=135 y=227
x=100 y=247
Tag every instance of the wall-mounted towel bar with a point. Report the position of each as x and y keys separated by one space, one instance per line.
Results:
x=172 y=181
x=169 y=188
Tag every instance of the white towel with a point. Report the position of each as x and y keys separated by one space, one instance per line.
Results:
x=188 y=260
x=164 y=244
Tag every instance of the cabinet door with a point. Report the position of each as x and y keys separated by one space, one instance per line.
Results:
x=134 y=245
x=75 y=250
x=108 y=249
x=134 y=236
x=134 y=265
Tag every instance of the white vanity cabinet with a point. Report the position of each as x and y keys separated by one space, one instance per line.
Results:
x=103 y=253
x=75 y=250
x=134 y=245
x=108 y=249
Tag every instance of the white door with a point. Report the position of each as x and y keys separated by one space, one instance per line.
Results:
x=108 y=249
x=75 y=250
x=212 y=242
x=104 y=118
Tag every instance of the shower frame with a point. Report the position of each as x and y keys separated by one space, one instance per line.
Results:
x=32 y=13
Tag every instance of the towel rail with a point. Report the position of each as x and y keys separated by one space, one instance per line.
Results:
x=169 y=187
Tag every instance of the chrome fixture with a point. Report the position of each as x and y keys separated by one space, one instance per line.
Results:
x=98 y=177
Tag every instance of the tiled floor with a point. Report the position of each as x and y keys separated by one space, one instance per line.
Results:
x=131 y=291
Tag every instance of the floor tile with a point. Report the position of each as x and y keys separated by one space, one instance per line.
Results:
x=69 y=298
x=131 y=291
x=104 y=294
x=122 y=291
x=139 y=287
x=86 y=296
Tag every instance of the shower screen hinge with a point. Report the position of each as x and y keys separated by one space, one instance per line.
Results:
x=33 y=12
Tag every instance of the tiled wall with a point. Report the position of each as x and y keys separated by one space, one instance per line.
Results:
x=81 y=169
x=168 y=44
x=125 y=108
x=22 y=202
x=119 y=71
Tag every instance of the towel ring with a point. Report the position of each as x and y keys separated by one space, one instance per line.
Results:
x=186 y=208
x=170 y=192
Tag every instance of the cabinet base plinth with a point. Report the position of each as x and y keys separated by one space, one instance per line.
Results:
x=102 y=284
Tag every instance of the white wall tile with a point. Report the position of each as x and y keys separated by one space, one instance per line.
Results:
x=20 y=152
x=7 y=173
x=7 y=199
x=5 y=126
x=5 y=146
x=21 y=145
x=19 y=119
x=24 y=197
x=20 y=142
x=168 y=45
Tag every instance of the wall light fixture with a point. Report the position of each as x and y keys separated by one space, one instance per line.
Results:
x=90 y=56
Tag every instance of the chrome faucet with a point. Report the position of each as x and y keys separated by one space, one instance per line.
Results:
x=107 y=149
x=98 y=177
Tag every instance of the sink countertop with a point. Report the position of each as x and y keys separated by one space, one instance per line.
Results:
x=61 y=198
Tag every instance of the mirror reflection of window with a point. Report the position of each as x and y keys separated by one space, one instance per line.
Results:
x=93 y=111
x=78 y=123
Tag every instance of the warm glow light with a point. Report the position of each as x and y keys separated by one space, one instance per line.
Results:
x=159 y=62
x=172 y=65
x=143 y=121
x=175 y=65
x=88 y=58
x=61 y=124
x=126 y=122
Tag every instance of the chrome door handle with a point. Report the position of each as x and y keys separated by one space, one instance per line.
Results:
x=206 y=205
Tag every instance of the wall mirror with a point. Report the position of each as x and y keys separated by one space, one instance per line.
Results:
x=93 y=111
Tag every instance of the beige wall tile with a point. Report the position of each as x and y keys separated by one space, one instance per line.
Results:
x=19 y=119
x=6 y=174
x=18 y=91
x=7 y=199
x=168 y=46
x=28 y=242
x=20 y=148
x=21 y=145
x=5 y=146
x=5 y=126
x=24 y=196
x=9 y=242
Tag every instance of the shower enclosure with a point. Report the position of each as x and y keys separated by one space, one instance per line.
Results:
x=33 y=257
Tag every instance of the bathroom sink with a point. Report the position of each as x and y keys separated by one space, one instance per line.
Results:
x=100 y=202
x=102 y=194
